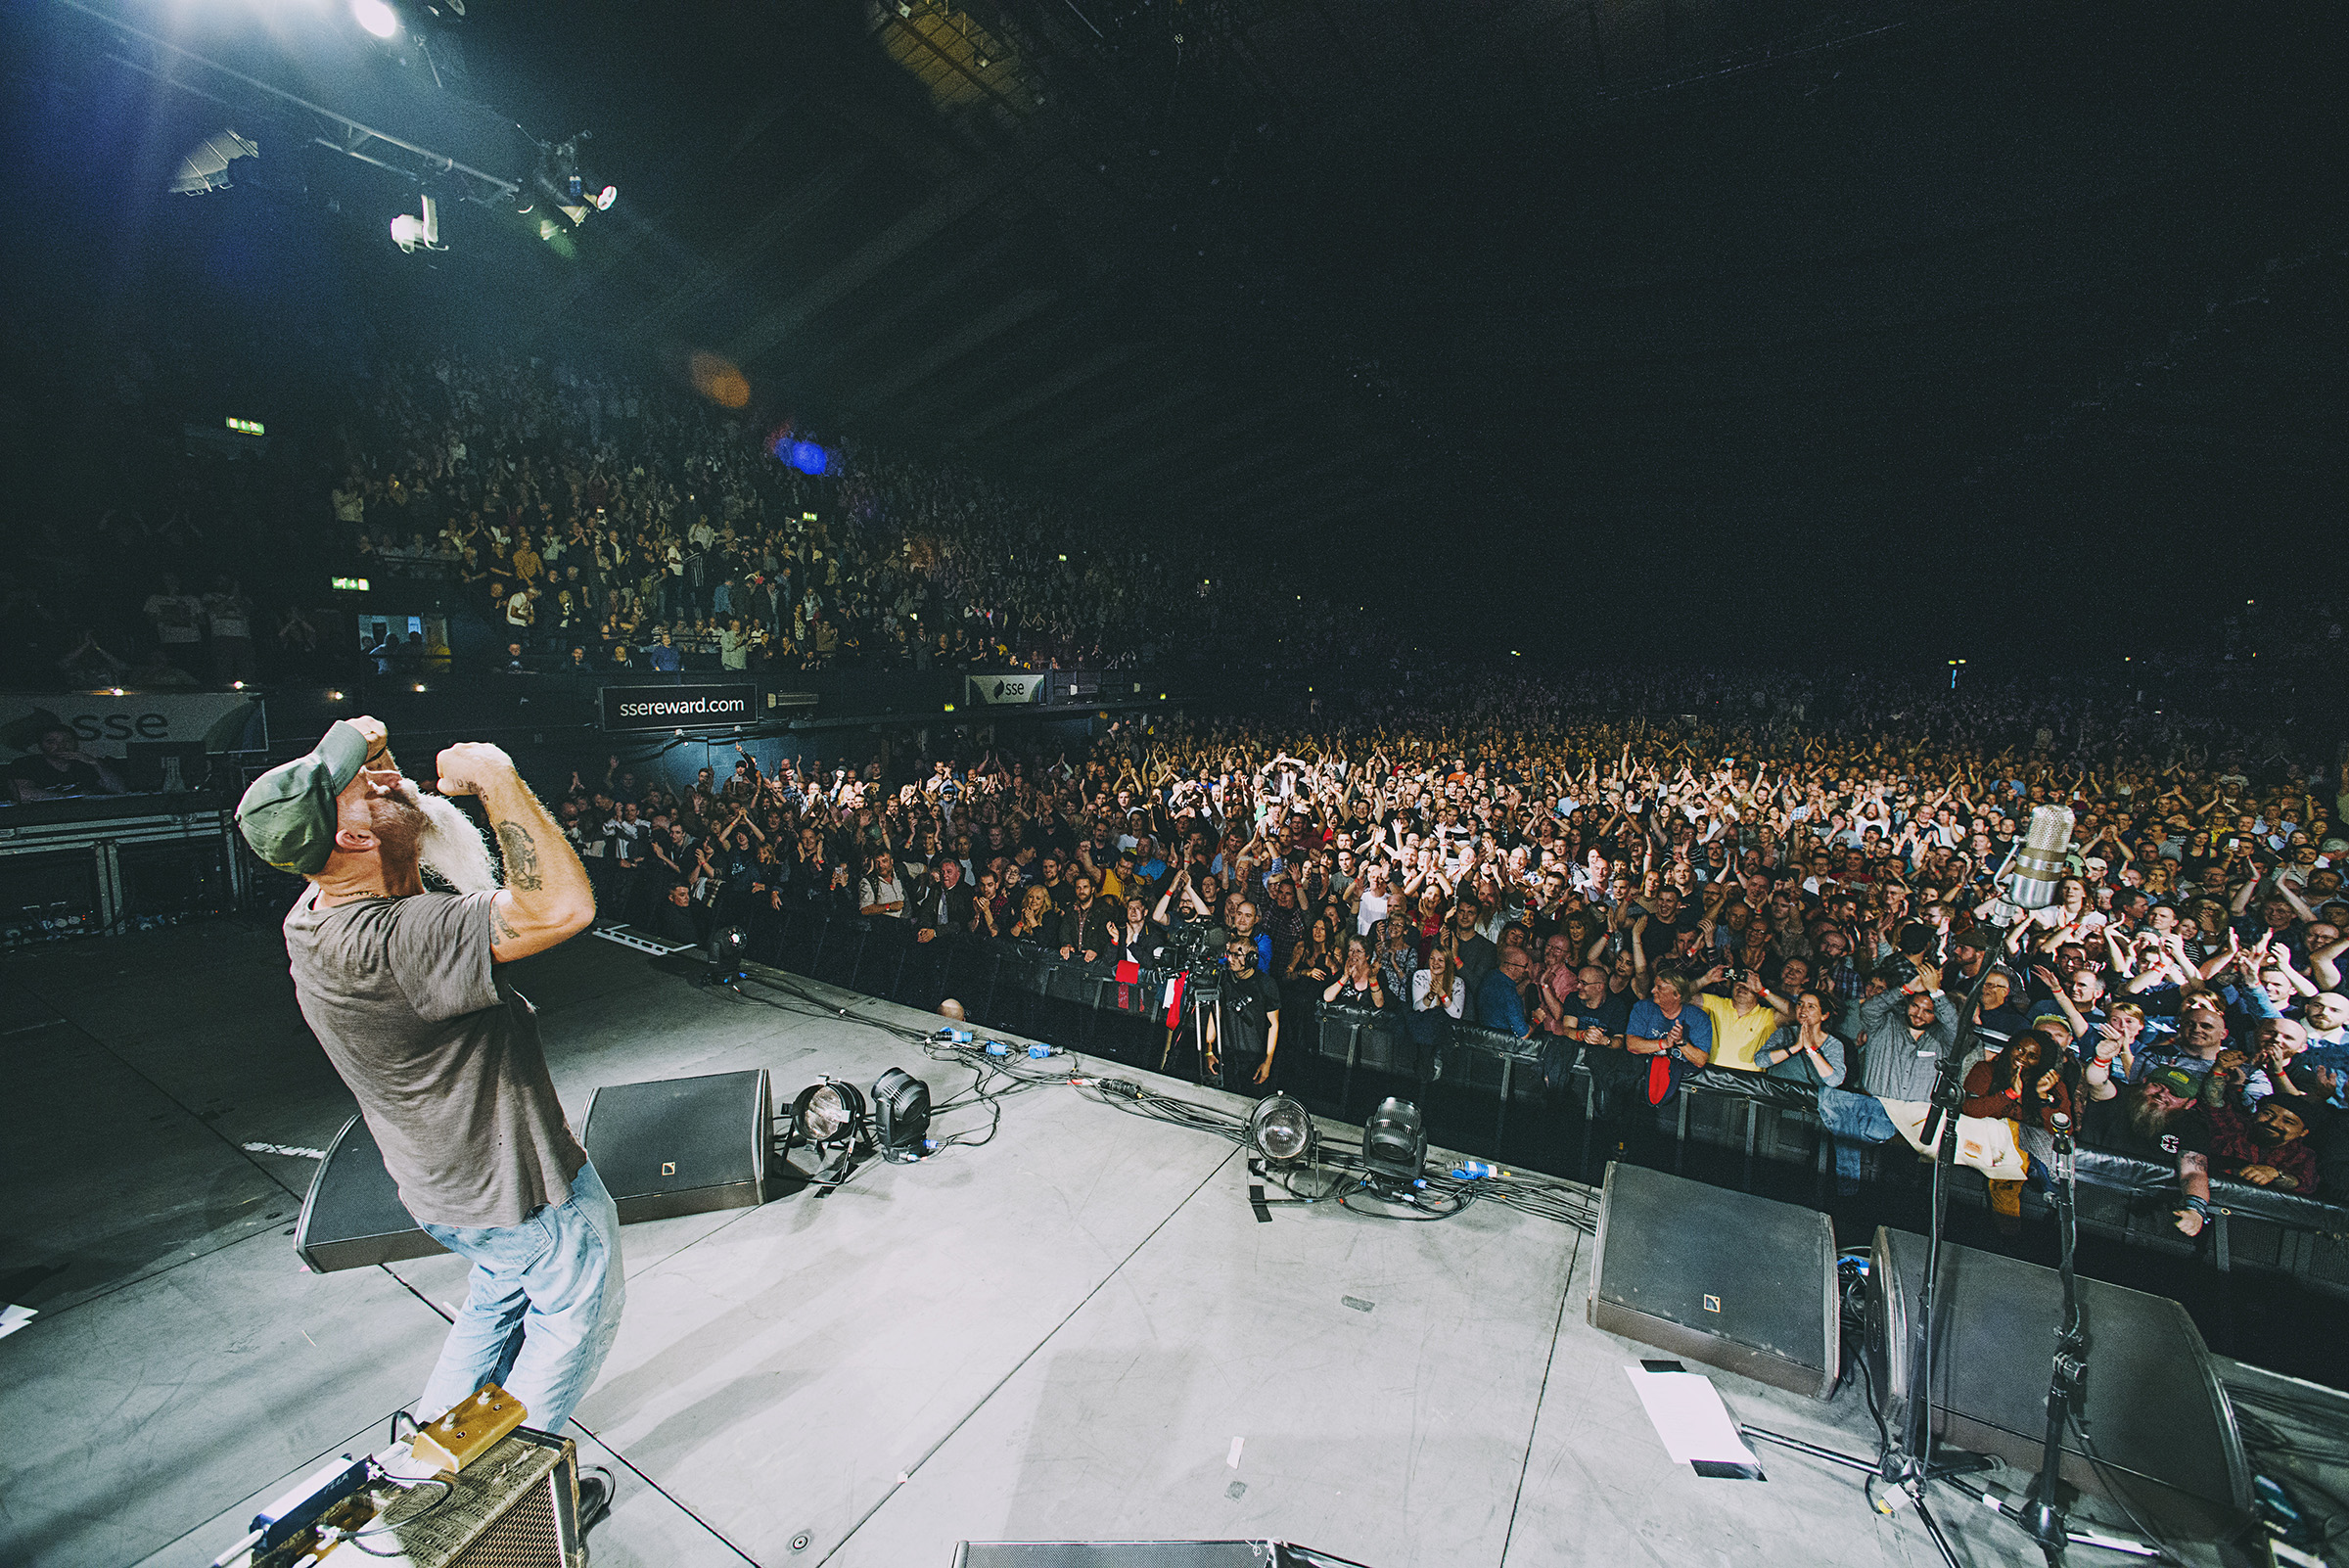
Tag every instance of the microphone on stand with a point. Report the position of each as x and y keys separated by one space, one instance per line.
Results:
x=2040 y=865
x=2037 y=867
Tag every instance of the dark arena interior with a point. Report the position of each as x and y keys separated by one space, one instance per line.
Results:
x=1171 y=783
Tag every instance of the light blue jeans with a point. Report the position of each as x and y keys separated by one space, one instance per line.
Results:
x=1852 y=1120
x=542 y=1310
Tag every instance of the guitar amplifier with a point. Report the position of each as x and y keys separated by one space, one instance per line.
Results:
x=515 y=1506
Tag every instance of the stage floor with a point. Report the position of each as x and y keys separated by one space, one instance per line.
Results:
x=1077 y=1330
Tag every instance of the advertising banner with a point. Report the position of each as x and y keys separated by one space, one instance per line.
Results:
x=1001 y=691
x=657 y=708
x=107 y=724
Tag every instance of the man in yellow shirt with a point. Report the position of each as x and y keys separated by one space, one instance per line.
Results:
x=1744 y=1020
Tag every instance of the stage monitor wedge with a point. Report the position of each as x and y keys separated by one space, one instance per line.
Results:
x=353 y=1218
x=682 y=1145
x=2166 y=1442
x=1734 y=1282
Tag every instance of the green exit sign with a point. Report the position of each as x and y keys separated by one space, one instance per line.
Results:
x=246 y=427
x=351 y=584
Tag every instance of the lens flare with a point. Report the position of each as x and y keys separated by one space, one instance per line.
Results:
x=717 y=378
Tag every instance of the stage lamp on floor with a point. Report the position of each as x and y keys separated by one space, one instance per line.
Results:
x=1283 y=1131
x=901 y=1115
x=1395 y=1140
x=828 y=1112
x=729 y=949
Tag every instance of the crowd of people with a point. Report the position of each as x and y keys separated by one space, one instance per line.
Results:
x=604 y=521
x=1767 y=893
x=550 y=513
x=1659 y=870
x=513 y=500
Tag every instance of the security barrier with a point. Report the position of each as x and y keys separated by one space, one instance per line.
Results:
x=1359 y=1053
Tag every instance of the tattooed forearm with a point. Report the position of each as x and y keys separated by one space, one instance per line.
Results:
x=500 y=927
x=522 y=857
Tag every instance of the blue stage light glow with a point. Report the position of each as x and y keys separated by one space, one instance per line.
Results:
x=805 y=456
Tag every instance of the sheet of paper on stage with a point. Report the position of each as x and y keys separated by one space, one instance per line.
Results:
x=1690 y=1417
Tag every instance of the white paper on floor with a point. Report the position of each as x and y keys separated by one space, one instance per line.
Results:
x=1690 y=1417
x=14 y=1317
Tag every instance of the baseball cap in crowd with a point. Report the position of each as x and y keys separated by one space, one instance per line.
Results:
x=287 y=813
x=2095 y=862
x=2177 y=1080
x=1970 y=939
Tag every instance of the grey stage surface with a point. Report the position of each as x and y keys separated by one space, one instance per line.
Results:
x=1074 y=1331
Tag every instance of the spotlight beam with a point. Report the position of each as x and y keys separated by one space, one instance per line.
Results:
x=435 y=163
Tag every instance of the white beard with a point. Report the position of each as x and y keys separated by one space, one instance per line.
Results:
x=452 y=848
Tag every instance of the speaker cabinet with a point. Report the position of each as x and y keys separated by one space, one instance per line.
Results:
x=682 y=1145
x=1721 y=1278
x=353 y=1218
x=2166 y=1442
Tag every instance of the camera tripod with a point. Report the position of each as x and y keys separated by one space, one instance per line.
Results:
x=1201 y=996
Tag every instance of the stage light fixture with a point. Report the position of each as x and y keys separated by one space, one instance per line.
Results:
x=1283 y=1130
x=564 y=181
x=902 y=1113
x=412 y=233
x=1395 y=1140
x=376 y=17
x=827 y=1112
x=730 y=946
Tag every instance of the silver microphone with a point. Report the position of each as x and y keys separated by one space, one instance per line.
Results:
x=2040 y=865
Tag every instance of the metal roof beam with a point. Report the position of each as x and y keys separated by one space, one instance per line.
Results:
x=1118 y=424
x=994 y=324
x=947 y=205
x=796 y=207
x=1044 y=391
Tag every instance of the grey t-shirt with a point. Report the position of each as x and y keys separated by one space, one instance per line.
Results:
x=442 y=1055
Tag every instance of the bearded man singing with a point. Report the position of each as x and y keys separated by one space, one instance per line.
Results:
x=403 y=988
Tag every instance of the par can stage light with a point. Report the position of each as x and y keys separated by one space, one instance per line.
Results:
x=827 y=1112
x=1283 y=1131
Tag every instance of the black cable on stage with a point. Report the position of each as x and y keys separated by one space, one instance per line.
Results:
x=1437 y=1196
x=447 y=1490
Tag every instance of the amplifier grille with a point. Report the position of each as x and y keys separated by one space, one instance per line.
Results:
x=524 y=1535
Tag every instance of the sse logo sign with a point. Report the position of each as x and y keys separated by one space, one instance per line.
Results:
x=121 y=726
x=106 y=724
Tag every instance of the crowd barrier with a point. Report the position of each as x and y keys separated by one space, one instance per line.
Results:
x=1356 y=1054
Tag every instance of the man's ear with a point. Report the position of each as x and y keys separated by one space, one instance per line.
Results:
x=354 y=841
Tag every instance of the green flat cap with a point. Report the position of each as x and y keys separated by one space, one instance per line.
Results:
x=287 y=813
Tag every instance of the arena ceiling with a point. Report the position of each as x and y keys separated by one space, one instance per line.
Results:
x=1669 y=274
x=1746 y=288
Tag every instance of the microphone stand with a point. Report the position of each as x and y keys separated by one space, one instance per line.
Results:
x=2067 y=1387
x=2041 y=1514
x=1907 y=1459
